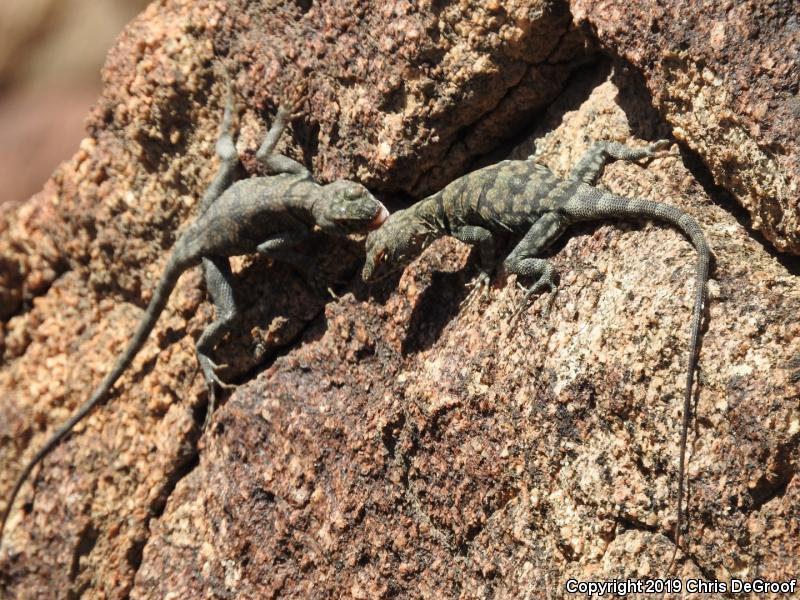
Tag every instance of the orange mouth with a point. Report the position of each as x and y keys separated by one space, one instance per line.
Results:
x=379 y=219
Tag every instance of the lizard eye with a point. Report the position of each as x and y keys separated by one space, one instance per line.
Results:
x=381 y=258
x=352 y=194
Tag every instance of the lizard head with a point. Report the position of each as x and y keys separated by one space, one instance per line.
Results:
x=394 y=245
x=348 y=207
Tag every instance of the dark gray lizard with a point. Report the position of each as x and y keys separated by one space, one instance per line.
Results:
x=268 y=215
x=525 y=198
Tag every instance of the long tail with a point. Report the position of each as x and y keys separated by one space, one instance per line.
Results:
x=175 y=266
x=590 y=203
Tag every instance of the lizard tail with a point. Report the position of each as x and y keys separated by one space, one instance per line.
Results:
x=591 y=204
x=175 y=266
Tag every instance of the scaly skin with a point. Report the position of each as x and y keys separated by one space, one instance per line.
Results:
x=268 y=215
x=527 y=199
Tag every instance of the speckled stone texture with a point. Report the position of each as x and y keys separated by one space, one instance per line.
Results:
x=399 y=445
x=399 y=96
x=726 y=76
x=413 y=448
x=403 y=94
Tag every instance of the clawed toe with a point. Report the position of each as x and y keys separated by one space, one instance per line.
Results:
x=526 y=298
x=477 y=287
x=659 y=145
x=660 y=149
x=212 y=406
x=210 y=372
x=224 y=385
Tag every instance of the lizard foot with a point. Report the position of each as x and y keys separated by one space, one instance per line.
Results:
x=209 y=368
x=213 y=380
x=659 y=149
x=479 y=287
x=529 y=292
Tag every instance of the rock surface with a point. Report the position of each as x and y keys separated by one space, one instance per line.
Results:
x=410 y=444
x=726 y=76
x=401 y=445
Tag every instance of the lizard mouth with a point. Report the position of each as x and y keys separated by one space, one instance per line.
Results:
x=369 y=274
x=379 y=219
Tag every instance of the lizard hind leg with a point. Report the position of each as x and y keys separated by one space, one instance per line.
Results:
x=218 y=276
x=229 y=158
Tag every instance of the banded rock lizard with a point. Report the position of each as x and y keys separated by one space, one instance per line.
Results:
x=524 y=198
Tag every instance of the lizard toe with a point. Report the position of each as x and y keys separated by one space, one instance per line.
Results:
x=209 y=368
x=478 y=287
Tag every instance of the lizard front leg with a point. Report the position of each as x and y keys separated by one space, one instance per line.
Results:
x=599 y=154
x=483 y=238
x=218 y=276
x=546 y=230
x=275 y=164
x=229 y=159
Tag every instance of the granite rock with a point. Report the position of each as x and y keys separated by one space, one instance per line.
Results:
x=388 y=442
x=726 y=77
x=411 y=447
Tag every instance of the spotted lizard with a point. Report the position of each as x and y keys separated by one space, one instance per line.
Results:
x=525 y=198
